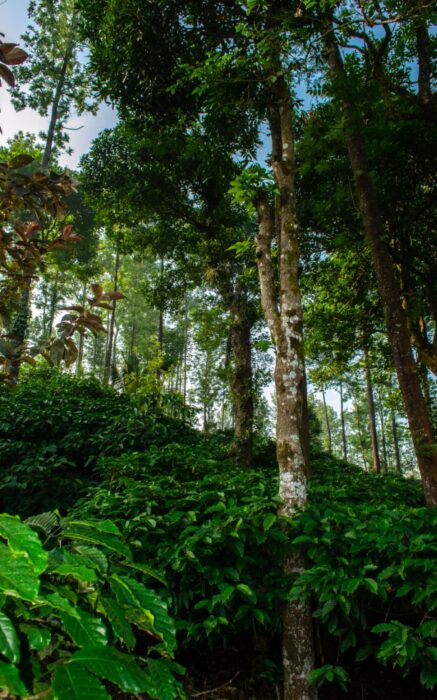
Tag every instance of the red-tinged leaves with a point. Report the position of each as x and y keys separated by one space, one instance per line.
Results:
x=20 y=161
x=74 y=307
x=97 y=290
x=12 y=54
x=114 y=295
x=7 y=75
x=32 y=228
x=68 y=230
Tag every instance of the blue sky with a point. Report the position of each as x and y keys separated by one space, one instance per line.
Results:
x=13 y=22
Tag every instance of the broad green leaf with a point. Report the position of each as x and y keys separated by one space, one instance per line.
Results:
x=114 y=666
x=117 y=617
x=9 y=644
x=268 y=521
x=74 y=682
x=85 y=629
x=86 y=533
x=149 y=610
x=10 y=680
x=101 y=525
x=146 y=570
x=44 y=522
x=163 y=679
x=39 y=637
x=246 y=591
x=91 y=556
x=23 y=540
x=17 y=575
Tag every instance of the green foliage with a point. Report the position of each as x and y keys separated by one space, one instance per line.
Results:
x=214 y=533
x=70 y=611
x=53 y=428
x=207 y=526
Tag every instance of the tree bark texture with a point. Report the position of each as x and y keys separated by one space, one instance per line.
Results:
x=109 y=344
x=372 y=415
x=19 y=331
x=343 y=425
x=242 y=381
x=388 y=285
x=281 y=303
x=328 y=424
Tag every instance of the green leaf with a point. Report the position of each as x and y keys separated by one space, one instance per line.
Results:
x=164 y=682
x=39 y=637
x=87 y=532
x=371 y=584
x=23 y=540
x=247 y=592
x=85 y=629
x=268 y=521
x=17 y=575
x=428 y=677
x=9 y=644
x=115 y=667
x=46 y=523
x=10 y=680
x=74 y=682
x=149 y=610
x=117 y=617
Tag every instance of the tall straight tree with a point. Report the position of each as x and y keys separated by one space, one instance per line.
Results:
x=229 y=67
x=54 y=82
x=388 y=283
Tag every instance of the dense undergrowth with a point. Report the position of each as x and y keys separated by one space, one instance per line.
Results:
x=157 y=515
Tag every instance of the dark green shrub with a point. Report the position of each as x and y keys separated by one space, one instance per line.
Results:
x=213 y=532
x=73 y=613
x=53 y=428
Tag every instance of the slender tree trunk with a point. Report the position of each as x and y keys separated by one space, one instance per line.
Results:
x=53 y=306
x=241 y=381
x=54 y=112
x=389 y=290
x=81 y=348
x=109 y=344
x=328 y=424
x=19 y=332
x=372 y=415
x=283 y=312
x=383 y=437
x=396 y=442
x=343 y=426
x=360 y=430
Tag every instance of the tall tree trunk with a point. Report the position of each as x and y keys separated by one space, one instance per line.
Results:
x=396 y=442
x=372 y=415
x=328 y=424
x=81 y=348
x=383 y=437
x=53 y=306
x=54 y=112
x=283 y=312
x=360 y=429
x=19 y=332
x=343 y=425
x=388 y=285
x=242 y=381
x=109 y=344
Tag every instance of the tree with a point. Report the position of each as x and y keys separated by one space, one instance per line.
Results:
x=54 y=80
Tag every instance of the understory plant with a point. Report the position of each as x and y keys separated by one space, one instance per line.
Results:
x=215 y=535
x=76 y=620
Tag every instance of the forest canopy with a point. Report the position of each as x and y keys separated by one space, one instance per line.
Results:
x=218 y=353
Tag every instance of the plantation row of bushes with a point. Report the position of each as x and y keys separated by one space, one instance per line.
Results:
x=165 y=537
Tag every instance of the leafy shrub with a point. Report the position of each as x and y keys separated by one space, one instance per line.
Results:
x=72 y=612
x=53 y=428
x=214 y=533
x=211 y=528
